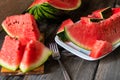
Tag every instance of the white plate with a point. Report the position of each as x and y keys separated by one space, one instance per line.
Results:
x=80 y=52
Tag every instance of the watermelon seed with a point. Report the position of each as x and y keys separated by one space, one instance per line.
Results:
x=9 y=24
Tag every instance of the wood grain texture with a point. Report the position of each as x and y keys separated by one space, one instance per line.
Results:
x=39 y=70
x=78 y=69
x=109 y=67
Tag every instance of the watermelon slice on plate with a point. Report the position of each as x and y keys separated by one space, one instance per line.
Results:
x=80 y=52
x=60 y=32
x=93 y=38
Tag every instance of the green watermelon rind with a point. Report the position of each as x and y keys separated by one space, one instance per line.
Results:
x=7 y=31
x=8 y=66
x=46 y=11
x=62 y=36
x=73 y=40
x=40 y=11
x=44 y=57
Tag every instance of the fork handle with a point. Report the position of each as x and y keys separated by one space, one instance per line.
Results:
x=66 y=76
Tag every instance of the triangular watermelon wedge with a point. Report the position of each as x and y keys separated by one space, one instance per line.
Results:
x=11 y=53
x=35 y=55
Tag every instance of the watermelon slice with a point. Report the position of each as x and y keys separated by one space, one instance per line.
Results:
x=89 y=19
x=65 y=5
x=115 y=10
x=35 y=54
x=11 y=53
x=102 y=13
x=67 y=22
x=85 y=34
x=21 y=26
x=100 y=48
x=52 y=9
x=60 y=32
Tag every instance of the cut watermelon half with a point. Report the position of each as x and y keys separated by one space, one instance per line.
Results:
x=59 y=4
x=22 y=27
x=11 y=53
x=35 y=54
x=52 y=10
x=65 y=4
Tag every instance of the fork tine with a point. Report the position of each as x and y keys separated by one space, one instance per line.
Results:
x=54 y=48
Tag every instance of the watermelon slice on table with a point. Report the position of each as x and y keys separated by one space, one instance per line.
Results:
x=11 y=53
x=52 y=9
x=22 y=26
x=35 y=54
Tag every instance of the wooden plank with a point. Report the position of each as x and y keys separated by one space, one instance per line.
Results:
x=77 y=68
x=39 y=70
x=109 y=67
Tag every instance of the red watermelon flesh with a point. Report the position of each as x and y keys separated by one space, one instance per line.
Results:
x=115 y=10
x=65 y=4
x=11 y=53
x=67 y=22
x=35 y=54
x=60 y=4
x=85 y=34
x=102 y=13
x=22 y=26
x=36 y=2
x=100 y=48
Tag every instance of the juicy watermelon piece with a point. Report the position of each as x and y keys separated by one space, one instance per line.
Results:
x=102 y=13
x=60 y=32
x=67 y=22
x=85 y=34
x=100 y=48
x=35 y=54
x=52 y=9
x=115 y=10
x=21 y=26
x=11 y=53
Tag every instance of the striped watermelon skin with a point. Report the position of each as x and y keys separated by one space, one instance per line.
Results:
x=51 y=10
x=43 y=12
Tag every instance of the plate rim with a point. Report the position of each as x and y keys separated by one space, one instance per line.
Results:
x=78 y=53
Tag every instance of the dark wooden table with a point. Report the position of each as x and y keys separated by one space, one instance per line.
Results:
x=107 y=68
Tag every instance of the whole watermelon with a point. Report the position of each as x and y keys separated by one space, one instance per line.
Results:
x=52 y=9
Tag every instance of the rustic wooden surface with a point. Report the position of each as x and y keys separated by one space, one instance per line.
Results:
x=107 y=68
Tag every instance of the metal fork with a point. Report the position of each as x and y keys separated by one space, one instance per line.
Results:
x=56 y=56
